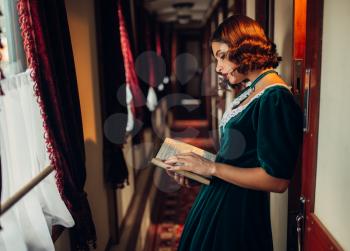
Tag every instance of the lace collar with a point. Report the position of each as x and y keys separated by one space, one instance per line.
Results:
x=232 y=111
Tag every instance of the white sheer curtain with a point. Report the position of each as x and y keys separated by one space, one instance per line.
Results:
x=27 y=225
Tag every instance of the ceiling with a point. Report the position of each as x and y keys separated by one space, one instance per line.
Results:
x=184 y=13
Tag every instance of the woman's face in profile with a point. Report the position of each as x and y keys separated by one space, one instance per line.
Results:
x=224 y=66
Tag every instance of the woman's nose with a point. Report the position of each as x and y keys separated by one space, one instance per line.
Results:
x=218 y=68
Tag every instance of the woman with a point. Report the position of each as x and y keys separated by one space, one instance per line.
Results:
x=260 y=141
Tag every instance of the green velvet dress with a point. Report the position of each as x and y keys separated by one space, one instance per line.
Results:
x=267 y=132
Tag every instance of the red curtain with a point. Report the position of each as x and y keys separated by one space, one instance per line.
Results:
x=112 y=79
x=130 y=74
x=49 y=54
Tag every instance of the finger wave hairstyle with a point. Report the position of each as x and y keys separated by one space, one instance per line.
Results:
x=248 y=45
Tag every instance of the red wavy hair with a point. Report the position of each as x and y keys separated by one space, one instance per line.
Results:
x=249 y=47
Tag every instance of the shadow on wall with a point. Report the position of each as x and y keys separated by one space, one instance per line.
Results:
x=97 y=193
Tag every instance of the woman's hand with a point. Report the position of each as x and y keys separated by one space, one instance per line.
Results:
x=182 y=180
x=191 y=162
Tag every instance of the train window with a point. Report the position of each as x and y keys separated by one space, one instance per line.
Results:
x=13 y=60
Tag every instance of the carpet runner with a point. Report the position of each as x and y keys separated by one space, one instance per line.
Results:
x=171 y=208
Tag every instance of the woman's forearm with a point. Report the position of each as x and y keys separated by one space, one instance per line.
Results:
x=252 y=178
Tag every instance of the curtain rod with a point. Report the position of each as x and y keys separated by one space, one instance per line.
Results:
x=25 y=189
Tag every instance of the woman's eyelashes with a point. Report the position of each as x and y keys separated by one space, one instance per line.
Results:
x=222 y=56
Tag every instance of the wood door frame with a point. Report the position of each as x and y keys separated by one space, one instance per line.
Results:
x=316 y=236
x=298 y=69
x=265 y=16
x=238 y=7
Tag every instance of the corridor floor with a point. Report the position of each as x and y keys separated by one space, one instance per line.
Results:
x=172 y=207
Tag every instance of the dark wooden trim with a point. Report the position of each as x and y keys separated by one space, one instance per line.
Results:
x=299 y=29
x=132 y=4
x=299 y=43
x=224 y=7
x=313 y=62
x=317 y=237
x=113 y=215
x=261 y=13
x=264 y=14
x=320 y=237
x=239 y=7
x=271 y=20
x=313 y=49
x=214 y=17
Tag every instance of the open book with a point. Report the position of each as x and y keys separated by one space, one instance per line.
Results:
x=172 y=147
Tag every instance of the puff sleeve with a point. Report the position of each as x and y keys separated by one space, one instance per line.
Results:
x=279 y=132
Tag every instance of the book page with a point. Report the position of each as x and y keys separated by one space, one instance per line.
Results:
x=171 y=147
